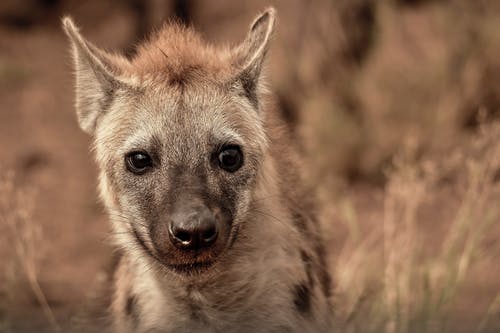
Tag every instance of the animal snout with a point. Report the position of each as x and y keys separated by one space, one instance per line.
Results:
x=194 y=229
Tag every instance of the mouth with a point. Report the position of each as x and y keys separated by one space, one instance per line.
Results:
x=185 y=268
x=191 y=268
x=187 y=263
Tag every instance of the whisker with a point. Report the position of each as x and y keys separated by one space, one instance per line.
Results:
x=266 y=214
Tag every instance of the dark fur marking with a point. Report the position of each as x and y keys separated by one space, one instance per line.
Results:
x=324 y=276
x=233 y=236
x=181 y=78
x=300 y=220
x=249 y=85
x=131 y=309
x=302 y=298
x=109 y=96
x=320 y=265
x=308 y=266
x=177 y=80
x=142 y=243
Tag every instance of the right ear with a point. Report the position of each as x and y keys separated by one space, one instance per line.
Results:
x=96 y=77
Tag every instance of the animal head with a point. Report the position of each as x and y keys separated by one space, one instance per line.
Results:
x=179 y=138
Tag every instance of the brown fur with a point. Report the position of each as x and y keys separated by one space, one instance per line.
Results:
x=175 y=51
x=179 y=99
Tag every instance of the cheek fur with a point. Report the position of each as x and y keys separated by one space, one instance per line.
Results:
x=243 y=206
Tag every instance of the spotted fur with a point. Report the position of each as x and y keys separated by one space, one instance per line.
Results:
x=180 y=99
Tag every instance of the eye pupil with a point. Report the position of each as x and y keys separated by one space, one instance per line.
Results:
x=138 y=162
x=230 y=158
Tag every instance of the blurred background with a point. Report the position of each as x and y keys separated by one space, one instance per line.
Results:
x=395 y=105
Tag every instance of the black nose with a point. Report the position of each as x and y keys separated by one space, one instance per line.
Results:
x=193 y=230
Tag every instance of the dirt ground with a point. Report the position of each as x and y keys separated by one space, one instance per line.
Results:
x=41 y=142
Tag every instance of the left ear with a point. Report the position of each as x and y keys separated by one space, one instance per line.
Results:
x=97 y=77
x=250 y=54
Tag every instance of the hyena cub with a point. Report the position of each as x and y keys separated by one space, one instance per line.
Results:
x=202 y=187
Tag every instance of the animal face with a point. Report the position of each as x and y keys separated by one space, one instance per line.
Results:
x=179 y=140
x=182 y=165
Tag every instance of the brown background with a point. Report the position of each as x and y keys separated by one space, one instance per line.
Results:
x=355 y=79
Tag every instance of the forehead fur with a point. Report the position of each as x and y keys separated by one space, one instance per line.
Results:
x=175 y=54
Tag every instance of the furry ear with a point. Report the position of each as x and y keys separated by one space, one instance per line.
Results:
x=96 y=77
x=251 y=53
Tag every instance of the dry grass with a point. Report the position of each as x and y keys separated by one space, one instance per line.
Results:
x=22 y=239
x=428 y=75
x=394 y=279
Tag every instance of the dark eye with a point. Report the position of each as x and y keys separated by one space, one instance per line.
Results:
x=138 y=162
x=230 y=158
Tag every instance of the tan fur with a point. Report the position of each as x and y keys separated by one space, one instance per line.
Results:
x=179 y=98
